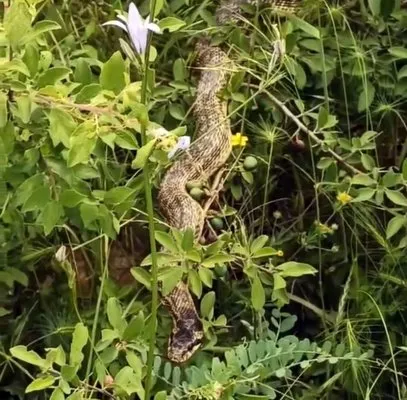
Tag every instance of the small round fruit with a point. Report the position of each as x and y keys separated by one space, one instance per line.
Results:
x=220 y=270
x=192 y=185
x=217 y=223
x=250 y=163
x=196 y=193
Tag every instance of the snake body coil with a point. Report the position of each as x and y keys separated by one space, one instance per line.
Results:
x=205 y=156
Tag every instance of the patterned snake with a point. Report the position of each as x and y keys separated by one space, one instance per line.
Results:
x=207 y=154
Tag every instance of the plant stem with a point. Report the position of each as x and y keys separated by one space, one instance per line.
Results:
x=151 y=228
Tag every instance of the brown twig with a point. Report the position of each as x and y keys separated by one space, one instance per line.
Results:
x=312 y=135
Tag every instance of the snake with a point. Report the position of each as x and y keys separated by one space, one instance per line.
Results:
x=206 y=155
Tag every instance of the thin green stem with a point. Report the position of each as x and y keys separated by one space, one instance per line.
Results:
x=151 y=227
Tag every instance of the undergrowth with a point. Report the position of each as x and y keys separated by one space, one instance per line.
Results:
x=300 y=284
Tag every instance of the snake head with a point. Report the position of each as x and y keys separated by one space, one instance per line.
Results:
x=185 y=340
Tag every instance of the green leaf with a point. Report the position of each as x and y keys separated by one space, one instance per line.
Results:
x=17 y=22
x=188 y=239
x=258 y=243
x=375 y=6
x=398 y=52
x=40 y=384
x=167 y=241
x=306 y=27
x=57 y=394
x=3 y=110
x=195 y=283
x=30 y=357
x=364 y=194
x=128 y=381
x=295 y=269
x=368 y=162
x=396 y=197
x=170 y=278
x=366 y=97
x=364 y=180
x=88 y=92
x=61 y=127
x=112 y=75
x=52 y=76
x=394 y=225
x=51 y=216
x=81 y=149
x=115 y=315
x=258 y=296
x=83 y=73
x=142 y=276
x=207 y=305
x=220 y=259
x=171 y=23
x=265 y=252
x=4 y=312
x=142 y=154
x=206 y=276
x=71 y=198
x=79 y=339
x=134 y=328
x=89 y=214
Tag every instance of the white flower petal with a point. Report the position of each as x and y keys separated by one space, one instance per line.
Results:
x=153 y=27
x=134 y=17
x=116 y=23
x=184 y=142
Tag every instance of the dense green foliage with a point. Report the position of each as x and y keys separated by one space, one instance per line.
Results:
x=302 y=292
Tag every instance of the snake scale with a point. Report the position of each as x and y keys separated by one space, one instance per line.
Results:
x=207 y=154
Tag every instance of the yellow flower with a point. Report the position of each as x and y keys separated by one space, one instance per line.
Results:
x=239 y=140
x=344 y=198
x=323 y=228
x=280 y=253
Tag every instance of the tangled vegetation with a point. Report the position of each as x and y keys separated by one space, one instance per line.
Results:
x=301 y=283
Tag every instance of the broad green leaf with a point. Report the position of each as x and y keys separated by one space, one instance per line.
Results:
x=28 y=356
x=115 y=315
x=79 y=339
x=258 y=243
x=188 y=239
x=3 y=110
x=39 y=197
x=171 y=23
x=142 y=154
x=112 y=75
x=81 y=149
x=83 y=73
x=89 y=214
x=40 y=384
x=364 y=194
x=142 y=276
x=396 y=197
x=51 y=216
x=257 y=294
x=279 y=282
x=24 y=108
x=220 y=259
x=398 y=52
x=57 y=394
x=119 y=195
x=170 y=279
x=368 y=162
x=135 y=363
x=394 y=225
x=88 y=92
x=295 y=269
x=61 y=127
x=166 y=240
x=364 y=180
x=126 y=140
x=206 y=276
x=207 y=305
x=194 y=282
x=129 y=382
x=265 y=252
x=52 y=76
x=134 y=328
x=375 y=6
x=71 y=198
x=306 y=27
x=4 y=312
x=17 y=22
x=366 y=97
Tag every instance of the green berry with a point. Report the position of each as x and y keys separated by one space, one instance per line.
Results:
x=220 y=270
x=196 y=193
x=250 y=163
x=217 y=223
x=192 y=185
